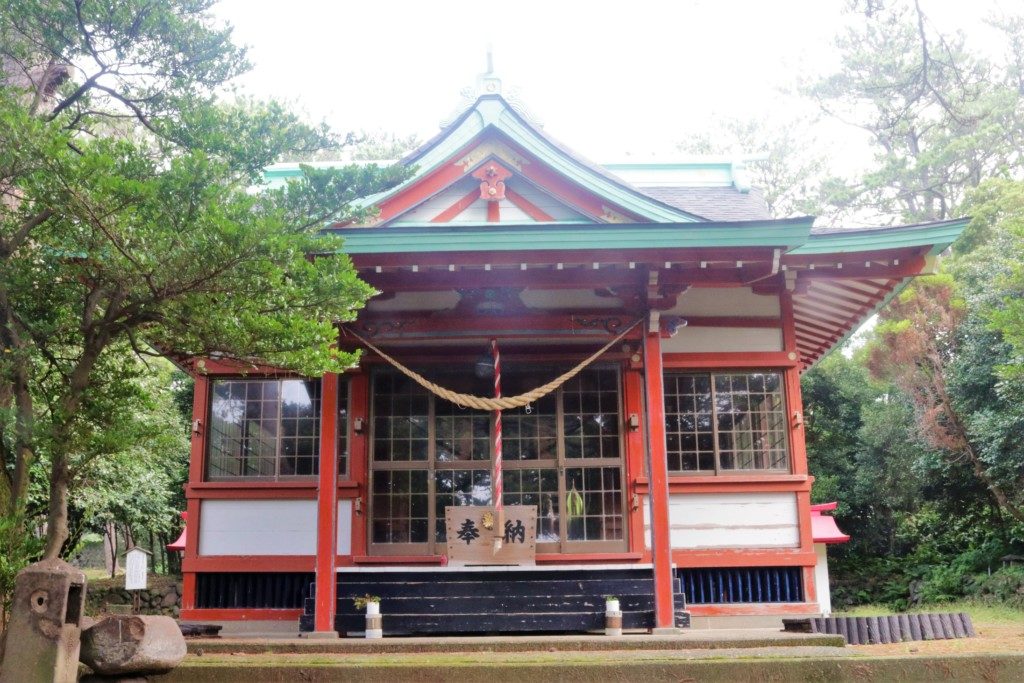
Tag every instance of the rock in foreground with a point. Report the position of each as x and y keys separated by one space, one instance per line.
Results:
x=133 y=644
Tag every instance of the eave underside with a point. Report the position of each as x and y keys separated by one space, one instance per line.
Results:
x=833 y=294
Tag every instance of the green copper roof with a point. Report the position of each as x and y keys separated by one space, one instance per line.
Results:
x=440 y=238
x=936 y=235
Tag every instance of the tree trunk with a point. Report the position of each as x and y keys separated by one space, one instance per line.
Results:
x=57 y=513
x=110 y=535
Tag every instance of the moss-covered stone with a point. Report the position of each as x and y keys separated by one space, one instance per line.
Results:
x=992 y=667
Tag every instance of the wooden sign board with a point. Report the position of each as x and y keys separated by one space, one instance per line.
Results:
x=135 y=570
x=471 y=531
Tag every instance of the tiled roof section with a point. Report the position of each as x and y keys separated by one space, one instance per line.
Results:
x=713 y=203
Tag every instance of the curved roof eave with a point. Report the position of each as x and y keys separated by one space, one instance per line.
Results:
x=937 y=235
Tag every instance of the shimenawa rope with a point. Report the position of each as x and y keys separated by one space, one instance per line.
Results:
x=503 y=403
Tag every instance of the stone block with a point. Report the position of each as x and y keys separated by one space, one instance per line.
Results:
x=43 y=634
x=133 y=645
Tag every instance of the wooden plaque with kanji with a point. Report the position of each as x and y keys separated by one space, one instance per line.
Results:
x=471 y=531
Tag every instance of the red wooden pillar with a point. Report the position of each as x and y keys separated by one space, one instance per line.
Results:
x=200 y=410
x=661 y=542
x=327 y=510
x=797 y=441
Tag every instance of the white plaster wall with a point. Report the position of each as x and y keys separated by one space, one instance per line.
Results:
x=267 y=527
x=715 y=339
x=729 y=301
x=821 y=584
x=730 y=520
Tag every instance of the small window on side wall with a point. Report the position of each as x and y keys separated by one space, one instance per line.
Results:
x=263 y=429
x=723 y=423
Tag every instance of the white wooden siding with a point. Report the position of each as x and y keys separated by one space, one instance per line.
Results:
x=821 y=585
x=267 y=527
x=716 y=339
x=728 y=301
x=344 y=539
x=566 y=298
x=543 y=201
x=416 y=301
x=730 y=520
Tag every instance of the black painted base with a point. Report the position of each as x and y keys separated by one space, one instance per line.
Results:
x=474 y=602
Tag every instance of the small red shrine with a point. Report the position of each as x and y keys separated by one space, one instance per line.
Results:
x=670 y=471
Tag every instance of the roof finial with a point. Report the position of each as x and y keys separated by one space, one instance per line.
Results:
x=487 y=83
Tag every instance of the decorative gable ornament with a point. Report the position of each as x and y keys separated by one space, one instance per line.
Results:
x=492 y=177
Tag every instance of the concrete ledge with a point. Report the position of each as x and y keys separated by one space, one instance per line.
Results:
x=683 y=640
x=320 y=635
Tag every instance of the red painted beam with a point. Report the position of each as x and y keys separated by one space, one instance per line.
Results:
x=424 y=189
x=572 y=276
x=250 y=563
x=906 y=268
x=725 y=557
x=241 y=614
x=527 y=207
x=457 y=208
x=753 y=360
x=655 y=257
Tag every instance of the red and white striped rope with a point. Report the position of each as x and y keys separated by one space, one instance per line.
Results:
x=497 y=428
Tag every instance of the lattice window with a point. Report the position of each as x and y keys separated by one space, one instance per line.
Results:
x=536 y=486
x=461 y=434
x=401 y=510
x=579 y=424
x=530 y=432
x=458 y=487
x=725 y=422
x=265 y=429
x=591 y=417
x=401 y=422
x=600 y=489
x=343 y=427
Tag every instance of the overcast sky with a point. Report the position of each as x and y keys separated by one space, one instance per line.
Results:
x=609 y=79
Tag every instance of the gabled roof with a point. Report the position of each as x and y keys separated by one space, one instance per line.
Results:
x=494 y=191
x=492 y=115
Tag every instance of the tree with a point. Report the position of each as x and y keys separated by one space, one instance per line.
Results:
x=918 y=343
x=128 y=225
x=131 y=474
x=940 y=117
x=364 y=146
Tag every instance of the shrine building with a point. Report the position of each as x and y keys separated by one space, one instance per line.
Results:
x=669 y=471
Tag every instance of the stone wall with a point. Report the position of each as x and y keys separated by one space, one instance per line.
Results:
x=162 y=597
